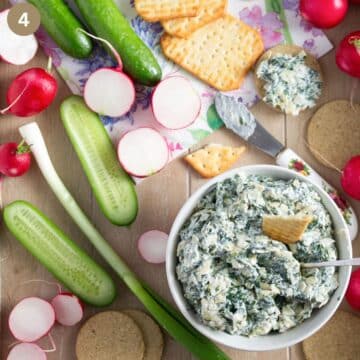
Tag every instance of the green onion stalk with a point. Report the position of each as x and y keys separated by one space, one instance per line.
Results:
x=169 y=318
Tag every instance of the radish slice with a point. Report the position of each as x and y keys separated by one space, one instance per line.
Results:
x=15 y=49
x=175 y=103
x=68 y=309
x=114 y=102
x=152 y=246
x=31 y=319
x=25 y=351
x=143 y=152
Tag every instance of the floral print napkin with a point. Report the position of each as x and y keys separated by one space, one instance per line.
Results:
x=278 y=21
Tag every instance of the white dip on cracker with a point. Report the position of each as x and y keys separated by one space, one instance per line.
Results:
x=242 y=282
x=290 y=85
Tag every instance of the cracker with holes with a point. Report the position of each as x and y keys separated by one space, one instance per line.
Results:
x=214 y=159
x=184 y=27
x=333 y=133
x=157 y=10
x=220 y=53
x=287 y=229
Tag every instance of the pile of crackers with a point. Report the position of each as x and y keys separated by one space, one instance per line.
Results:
x=203 y=39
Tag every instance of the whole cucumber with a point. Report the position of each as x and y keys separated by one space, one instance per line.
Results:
x=106 y=21
x=59 y=254
x=113 y=189
x=62 y=25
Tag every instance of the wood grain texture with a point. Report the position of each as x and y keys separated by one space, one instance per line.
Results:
x=160 y=198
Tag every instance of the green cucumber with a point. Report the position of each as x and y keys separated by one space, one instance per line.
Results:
x=62 y=25
x=59 y=254
x=107 y=22
x=114 y=190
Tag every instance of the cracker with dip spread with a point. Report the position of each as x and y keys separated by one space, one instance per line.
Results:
x=220 y=53
x=183 y=27
x=288 y=79
x=157 y=10
x=333 y=133
x=214 y=159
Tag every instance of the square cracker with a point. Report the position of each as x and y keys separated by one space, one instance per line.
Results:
x=214 y=159
x=220 y=53
x=183 y=27
x=157 y=10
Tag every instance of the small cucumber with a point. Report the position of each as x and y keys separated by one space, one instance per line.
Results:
x=105 y=19
x=62 y=25
x=59 y=254
x=113 y=188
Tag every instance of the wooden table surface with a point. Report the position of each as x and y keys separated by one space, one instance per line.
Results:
x=160 y=198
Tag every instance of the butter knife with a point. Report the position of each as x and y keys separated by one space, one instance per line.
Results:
x=242 y=122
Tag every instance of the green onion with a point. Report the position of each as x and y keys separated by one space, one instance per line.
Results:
x=169 y=318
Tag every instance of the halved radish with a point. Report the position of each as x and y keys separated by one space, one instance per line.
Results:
x=68 y=309
x=152 y=246
x=108 y=91
x=143 y=152
x=26 y=351
x=175 y=103
x=31 y=319
x=15 y=49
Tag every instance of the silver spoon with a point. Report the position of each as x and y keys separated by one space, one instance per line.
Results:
x=345 y=262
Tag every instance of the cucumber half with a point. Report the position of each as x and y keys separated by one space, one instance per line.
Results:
x=114 y=190
x=59 y=254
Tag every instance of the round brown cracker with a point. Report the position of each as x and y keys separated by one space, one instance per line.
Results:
x=110 y=335
x=337 y=340
x=153 y=338
x=333 y=133
x=310 y=61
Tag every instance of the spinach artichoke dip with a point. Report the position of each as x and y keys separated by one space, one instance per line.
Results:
x=242 y=282
x=290 y=84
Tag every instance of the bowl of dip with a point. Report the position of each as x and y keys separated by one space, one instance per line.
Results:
x=241 y=288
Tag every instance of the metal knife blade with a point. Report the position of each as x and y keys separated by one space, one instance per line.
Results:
x=242 y=122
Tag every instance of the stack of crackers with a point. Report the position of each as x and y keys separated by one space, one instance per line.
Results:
x=203 y=39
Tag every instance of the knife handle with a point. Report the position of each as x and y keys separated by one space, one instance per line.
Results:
x=290 y=160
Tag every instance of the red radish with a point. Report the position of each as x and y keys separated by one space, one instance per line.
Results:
x=175 y=103
x=143 y=152
x=31 y=319
x=152 y=246
x=348 y=54
x=15 y=160
x=350 y=178
x=15 y=49
x=324 y=13
x=108 y=91
x=353 y=291
x=31 y=92
x=26 y=351
x=68 y=309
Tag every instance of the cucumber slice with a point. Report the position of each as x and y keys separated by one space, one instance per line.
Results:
x=59 y=254
x=114 y=190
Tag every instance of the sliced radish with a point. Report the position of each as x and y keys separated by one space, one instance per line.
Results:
x=68 y=309
x=31 y=319
x=26 y=351
x=152 y=246
x=15 y=49
x=110 y=92
x=143 y=152
x=175 y=103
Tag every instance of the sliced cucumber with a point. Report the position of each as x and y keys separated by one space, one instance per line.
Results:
x=113 y=188
x=59 y=254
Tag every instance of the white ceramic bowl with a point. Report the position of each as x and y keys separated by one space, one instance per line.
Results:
x=272 y=341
